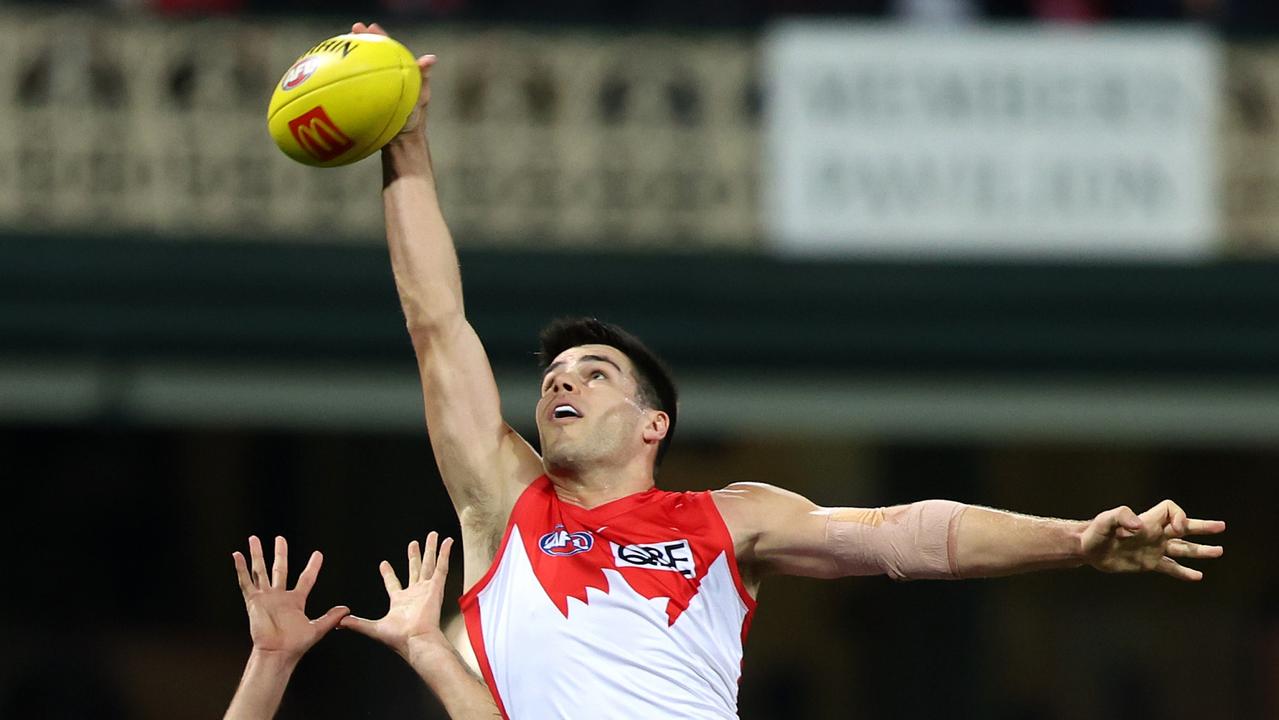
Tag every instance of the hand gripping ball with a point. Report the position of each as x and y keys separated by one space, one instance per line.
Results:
x=344 y=99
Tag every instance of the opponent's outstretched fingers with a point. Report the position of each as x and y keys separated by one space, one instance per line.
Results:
x=242 y=574
x=1205 y=527
x=1168 y=566
x=1178 y=548
x=280 y=564
x=442 y=564
x=388 y=577
x=415 y=561
x=258 y=563
x=306 y=580
x=360 y=625
x=331 y=619
x=428 y=556
x=1129 y=520
x=1121 y=522
x=1172 y=517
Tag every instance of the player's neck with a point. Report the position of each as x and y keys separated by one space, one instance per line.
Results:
x=594 y=486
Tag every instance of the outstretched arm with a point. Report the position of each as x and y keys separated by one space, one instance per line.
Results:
x=279 y=627
x=481 y=459
x=991 y=542
x=411 y=627
x=777 y=531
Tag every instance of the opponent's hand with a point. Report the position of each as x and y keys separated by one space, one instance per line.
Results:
x=414 y=615
x=1120 y=540
x=277 y=615
x=417 y=120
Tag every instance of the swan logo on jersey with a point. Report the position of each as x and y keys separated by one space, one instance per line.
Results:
x=672 y=555
x=560 y=542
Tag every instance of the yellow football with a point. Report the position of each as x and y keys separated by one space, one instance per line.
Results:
x=344 y=99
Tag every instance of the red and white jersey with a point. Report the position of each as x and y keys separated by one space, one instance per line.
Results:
x=633 y=609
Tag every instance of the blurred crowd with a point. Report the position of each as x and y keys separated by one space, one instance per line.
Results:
x=1235 y=16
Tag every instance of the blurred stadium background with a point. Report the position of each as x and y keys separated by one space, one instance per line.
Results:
x=1019 y=253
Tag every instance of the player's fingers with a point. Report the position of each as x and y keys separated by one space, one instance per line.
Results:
x=415 y=562
x=1205 y=527
x=428 y=555
x=388 y=577
x=306 y=580
x=242 y=574
x=259 y=565
x=359 y=27
x=330 y=619
x=426 y=61
x=1183 y=549
x=1170 y=567
x=280 y=566
x=377 y=29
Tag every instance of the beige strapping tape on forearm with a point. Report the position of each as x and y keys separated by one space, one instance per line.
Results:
x=908 y=542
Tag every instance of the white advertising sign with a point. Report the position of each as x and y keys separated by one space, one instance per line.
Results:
x=990 y=142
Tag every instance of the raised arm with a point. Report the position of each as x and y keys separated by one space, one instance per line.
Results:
x=482 y=460
x=777 y=531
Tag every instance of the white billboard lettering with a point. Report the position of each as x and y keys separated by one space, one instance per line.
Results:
x=988 y=141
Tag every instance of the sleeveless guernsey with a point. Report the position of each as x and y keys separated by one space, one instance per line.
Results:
x=633 y=609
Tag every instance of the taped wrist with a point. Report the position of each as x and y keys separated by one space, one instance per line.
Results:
x=907 y=542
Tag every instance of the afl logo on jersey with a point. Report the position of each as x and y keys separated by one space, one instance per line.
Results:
x=560 y=542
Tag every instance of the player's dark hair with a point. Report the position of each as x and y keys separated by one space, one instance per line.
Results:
x=656 y=387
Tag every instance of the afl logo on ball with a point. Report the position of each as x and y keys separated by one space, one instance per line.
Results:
x=299 y=73
x=560 y=542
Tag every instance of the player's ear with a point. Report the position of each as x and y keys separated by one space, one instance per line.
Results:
x=658 y=424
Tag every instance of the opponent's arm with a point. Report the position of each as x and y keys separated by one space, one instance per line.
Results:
x=480 y=458
x=411 y=627
x=279 y=627
x=778 y=531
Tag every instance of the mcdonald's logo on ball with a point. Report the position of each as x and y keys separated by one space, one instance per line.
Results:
x=315 y=132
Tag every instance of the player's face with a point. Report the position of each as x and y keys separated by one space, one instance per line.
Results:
x=589 y=411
